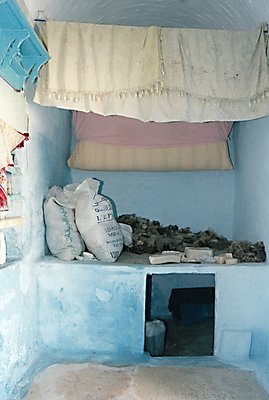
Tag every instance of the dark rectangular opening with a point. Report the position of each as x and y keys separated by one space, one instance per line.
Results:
x=180 y=314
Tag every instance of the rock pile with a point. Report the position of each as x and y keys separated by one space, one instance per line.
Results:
x=151 y=237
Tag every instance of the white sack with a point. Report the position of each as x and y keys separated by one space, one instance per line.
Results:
x=95 y=220
x=63 y=238
x=127 y=233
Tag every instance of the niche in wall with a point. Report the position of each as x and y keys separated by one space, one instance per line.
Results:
x=184 y=307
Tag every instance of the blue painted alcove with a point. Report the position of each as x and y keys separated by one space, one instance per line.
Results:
x=70 y=314
x=58 y=312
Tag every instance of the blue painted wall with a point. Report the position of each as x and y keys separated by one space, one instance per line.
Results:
x=43 y=164
x=251 y=212
x=84 y=317
x=19 y=338
x=242 y=304
x=200 y=200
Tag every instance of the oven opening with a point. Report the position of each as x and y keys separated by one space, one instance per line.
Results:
x=180 y=315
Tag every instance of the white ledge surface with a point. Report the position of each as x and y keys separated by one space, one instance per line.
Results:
x=129 y=262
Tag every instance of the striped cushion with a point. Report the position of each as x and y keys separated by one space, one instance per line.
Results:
x=108 y=157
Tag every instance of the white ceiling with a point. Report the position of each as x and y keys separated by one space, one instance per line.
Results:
x=212 y=14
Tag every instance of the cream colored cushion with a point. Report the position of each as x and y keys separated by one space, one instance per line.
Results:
x=107 y=157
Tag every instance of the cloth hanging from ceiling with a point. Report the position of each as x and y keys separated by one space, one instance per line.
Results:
x=89 y=62
x=13 y=107
x=155 y=74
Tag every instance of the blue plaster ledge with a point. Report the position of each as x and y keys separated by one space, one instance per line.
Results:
x=74 y=295
x=54 y=311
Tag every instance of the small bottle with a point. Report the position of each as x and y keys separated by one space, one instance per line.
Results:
x=9 y=188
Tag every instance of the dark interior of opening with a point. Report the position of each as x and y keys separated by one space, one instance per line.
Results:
x=180 y=313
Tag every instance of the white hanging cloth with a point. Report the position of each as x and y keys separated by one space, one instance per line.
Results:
x=9 y=140
x=13 y=119
x=92 y=63
x=218 y=75
x=13 y=107
x=155 y=74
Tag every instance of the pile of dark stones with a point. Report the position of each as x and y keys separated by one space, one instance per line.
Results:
x=151 y=237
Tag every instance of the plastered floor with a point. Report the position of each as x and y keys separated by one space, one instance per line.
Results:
x=97 y=382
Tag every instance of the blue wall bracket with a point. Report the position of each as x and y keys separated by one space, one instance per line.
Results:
x=21 y=52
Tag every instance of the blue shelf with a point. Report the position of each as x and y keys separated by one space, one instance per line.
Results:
x=21 y=52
